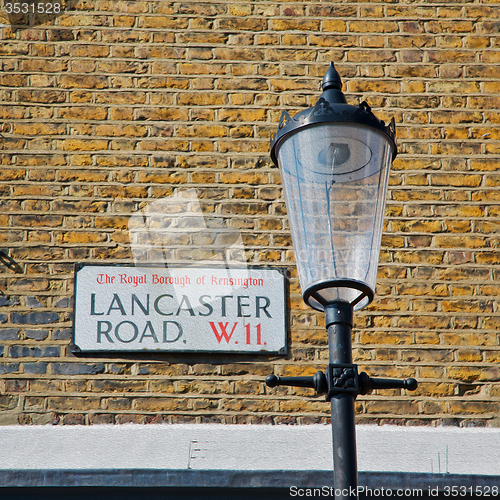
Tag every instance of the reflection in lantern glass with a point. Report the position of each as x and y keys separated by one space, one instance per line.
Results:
x=334 y=155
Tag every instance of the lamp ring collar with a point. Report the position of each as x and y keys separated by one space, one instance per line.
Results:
x=316 y=301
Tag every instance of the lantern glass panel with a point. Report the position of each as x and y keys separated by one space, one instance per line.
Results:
x=335 y=178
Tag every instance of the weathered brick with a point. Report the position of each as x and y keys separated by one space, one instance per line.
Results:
x=37 y=334
x=34 y=352
x=42 y=96
x=391 y=407
x=73 y=403
x=83 y=112
x=473 y=407
x=83 y=81
x=34 y=318
x=118 y=386
x=161 y=404
x=77 y=368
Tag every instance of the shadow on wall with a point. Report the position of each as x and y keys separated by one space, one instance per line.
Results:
x=176 y=229
x=10 y=264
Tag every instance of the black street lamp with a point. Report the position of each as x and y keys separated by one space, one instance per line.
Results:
x=334 y=162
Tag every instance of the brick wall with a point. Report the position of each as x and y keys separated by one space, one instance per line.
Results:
x=109 y=105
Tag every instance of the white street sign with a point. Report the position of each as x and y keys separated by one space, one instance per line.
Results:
x=120 y=308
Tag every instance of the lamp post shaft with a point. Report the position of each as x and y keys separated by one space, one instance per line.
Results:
x=338 y=316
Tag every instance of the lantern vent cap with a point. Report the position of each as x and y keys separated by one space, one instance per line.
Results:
x=331 y=107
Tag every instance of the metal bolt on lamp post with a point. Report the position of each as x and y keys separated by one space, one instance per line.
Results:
x=334 y=162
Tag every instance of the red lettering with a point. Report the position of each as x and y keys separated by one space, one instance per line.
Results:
x=259 y=335
x=223 y=332
x=104 y=278
x=182 y=281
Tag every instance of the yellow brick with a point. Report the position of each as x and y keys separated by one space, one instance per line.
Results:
x=464 y=373
x=118 y=386
x=118 y=404
x=83 y=112
x=202 y=99
x=394 y=338
x=41 y=96
x=239 y=115
x=163 y=22
x=83 y=145
x=334 y=25
x=302 y=406
x=416 y=180
x=460 y=242
x=378 y=85
x=82 y=237
x=44 y=65
x=243 y=178
x=111 y=66
x=160 y=404
x=423 y=322
x=434 y=407
x=391 y=407
x=431 y=372
x=121 y=130
x=473 y=407
x=91 y=50
x=201 y=131
x=469 y=356
x=120 y=97
x=112 y=222
x=422 y=289
x=456 y=180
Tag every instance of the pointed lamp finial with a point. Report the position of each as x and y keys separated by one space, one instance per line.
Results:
x=332 y=80
x=332 y=86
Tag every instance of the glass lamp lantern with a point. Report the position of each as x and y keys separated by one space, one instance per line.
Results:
x=334 y=162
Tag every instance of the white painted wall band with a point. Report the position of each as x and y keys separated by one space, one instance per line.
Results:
x=238 y=447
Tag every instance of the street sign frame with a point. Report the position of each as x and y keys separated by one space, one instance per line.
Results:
x=217 y=309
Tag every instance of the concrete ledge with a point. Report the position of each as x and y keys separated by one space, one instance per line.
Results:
x=233 y=479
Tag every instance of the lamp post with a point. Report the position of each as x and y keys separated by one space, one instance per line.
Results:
x=334 y=162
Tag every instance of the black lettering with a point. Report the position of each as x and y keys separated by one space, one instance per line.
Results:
x=223 y=302
x=241 y=306
x=165 y=331
x=207 y=305
x=134 y=326
x=188 y=308
x=92 y=306
x=135 y=300
x=101 y=332
x=152 y=333
x=119 y=305
x=258 y=307
x=157 y=303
